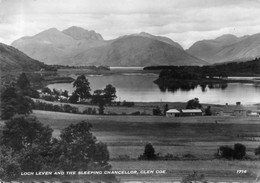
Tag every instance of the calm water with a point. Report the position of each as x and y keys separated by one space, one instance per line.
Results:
x=140 y=87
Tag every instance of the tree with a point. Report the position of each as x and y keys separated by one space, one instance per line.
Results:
x=157 y=111
x=149 y=153
x=239 y=151
x=24 y=87
x=193 y=104
x=208 y=111
x=13 y=102
x=99 y=98
x=65 y=93
x=21 y=133
x=9 y=166
x=82 y=87
x=80 y=148
x=46 y=90
x=74 y=98
x=166 y=108
x=23 y=82
x=226 y=152
x=29 y=141
x=110 y=94
x=257 y=151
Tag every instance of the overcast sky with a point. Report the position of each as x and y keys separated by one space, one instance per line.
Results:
x=184 y=21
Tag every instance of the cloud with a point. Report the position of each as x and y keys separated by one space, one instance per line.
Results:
x=185 y=21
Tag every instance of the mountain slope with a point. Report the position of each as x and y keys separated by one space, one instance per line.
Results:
x=79 y=33
x=77 y=46
x=161 y=38
x=12 y=59
x=55 y=47
x=137 y=51
x=227 y=48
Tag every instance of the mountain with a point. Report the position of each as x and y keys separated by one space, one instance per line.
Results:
x=161 y=38
x=79 y=33
x=12 y=59
x=227 y=48
x=77 y=46
x=137 y=51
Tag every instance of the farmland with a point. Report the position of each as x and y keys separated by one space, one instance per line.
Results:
x=127 y=135
x=198 y=136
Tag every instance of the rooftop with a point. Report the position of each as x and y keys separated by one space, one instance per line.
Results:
x=173 y=111
x=191 y=110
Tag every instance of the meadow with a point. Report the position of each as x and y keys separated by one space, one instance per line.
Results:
x=127 y=135
x=200 y=137
x=183 y=137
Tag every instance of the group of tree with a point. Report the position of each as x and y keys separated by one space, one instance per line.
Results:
x=28 y=146
x=193 y=104
x=99 y=97
x=38 y=105
x=158 y=112
x=220 y=70
x=227 y=152
x=54 y=95
x=16 y=98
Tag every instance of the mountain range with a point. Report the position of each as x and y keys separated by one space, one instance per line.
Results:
x=227 y=48
x=77 y=46
x=12 y=59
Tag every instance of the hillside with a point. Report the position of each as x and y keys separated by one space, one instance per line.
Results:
x=77 y=46
x=137 y=51
x=12 y=59
x=161 y=38
x=79 y=33
x=227 y=48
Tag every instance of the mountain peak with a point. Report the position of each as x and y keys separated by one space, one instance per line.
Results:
x=160 y=38
x=74 y=28
x=79 y=33
x=144 y=34
x=227 y=38
x=50 y=31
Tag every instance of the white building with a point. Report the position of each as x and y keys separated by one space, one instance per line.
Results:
x=191 y=112
x=173 y=113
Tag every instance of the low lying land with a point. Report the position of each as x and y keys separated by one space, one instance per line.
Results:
x=142 y=107
x=214 y=170
x=193 y=141
x=200 y=137
x=127 y=135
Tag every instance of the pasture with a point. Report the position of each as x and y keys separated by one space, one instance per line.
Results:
x=200 y=137
x=127 y=135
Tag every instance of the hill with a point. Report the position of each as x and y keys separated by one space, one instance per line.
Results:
x=137 y=51
x=12 y=59
x=227 y=48
x=77 y=46
x=161 y=38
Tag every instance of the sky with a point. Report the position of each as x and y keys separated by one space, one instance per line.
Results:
x=184 y=21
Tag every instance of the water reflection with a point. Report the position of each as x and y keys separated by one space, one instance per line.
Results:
x=191 y=86
x=142 y=88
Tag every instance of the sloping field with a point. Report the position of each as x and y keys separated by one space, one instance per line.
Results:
x=200 y=137
x=127 y=135
x=214 y=171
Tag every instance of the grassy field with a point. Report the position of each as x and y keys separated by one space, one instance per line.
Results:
x=214 y=171
x=127 y=135
x=142 y=107
x=199 y=136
